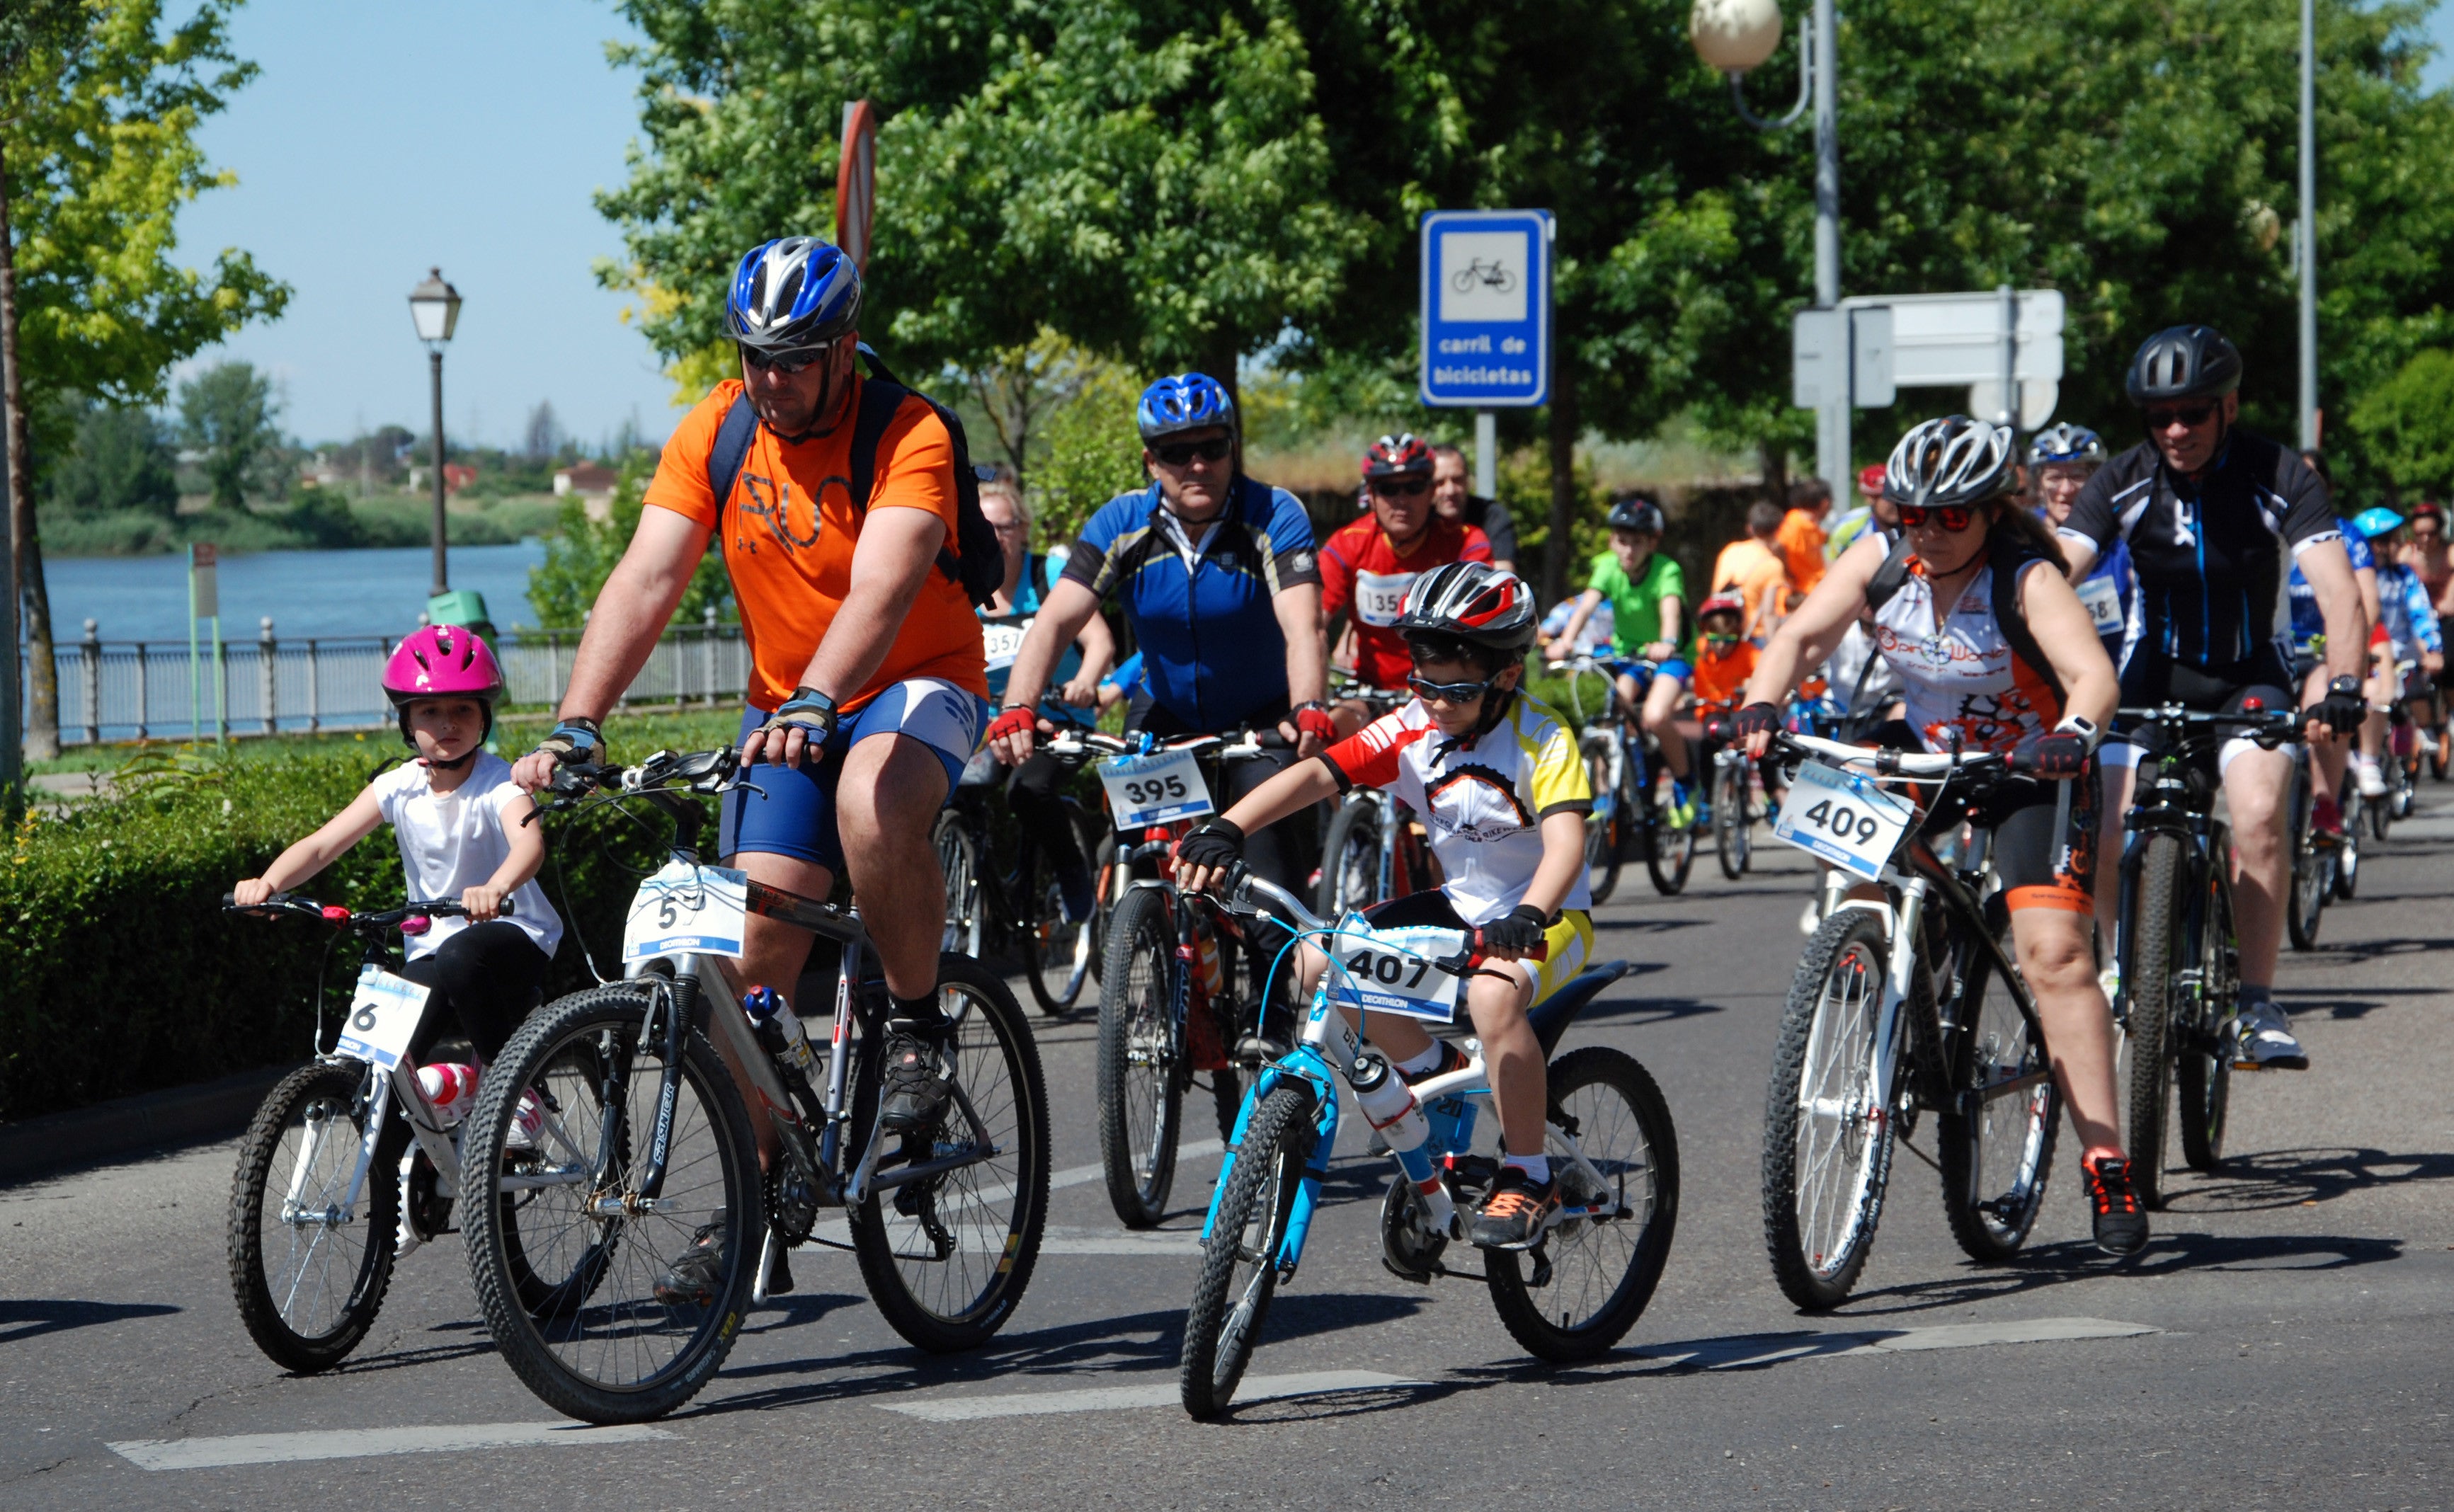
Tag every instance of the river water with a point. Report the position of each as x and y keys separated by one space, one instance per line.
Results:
x=368 y=593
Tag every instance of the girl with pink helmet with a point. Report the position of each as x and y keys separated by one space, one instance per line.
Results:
x=457 y=815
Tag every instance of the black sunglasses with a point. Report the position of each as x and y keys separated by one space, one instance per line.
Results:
x=787 y=363
x=1213 y=449
x=1448 y=693
x=1951 y=516
x=1402 y=488
x=2190 y=415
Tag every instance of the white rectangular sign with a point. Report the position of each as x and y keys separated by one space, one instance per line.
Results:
x=1392 y=970
x=384 y=1012
x=1155 y=790
x=687 y=910
x=1842 y=818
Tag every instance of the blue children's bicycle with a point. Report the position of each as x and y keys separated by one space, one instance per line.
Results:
x=1571 y=1296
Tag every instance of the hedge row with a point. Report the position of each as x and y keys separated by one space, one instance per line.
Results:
x=121 y=973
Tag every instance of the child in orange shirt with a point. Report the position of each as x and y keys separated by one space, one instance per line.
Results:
x=1724 y=659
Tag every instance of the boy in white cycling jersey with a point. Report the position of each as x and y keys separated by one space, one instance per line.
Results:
x=1502 y=791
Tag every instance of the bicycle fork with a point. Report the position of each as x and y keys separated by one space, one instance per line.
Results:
x=1889 y=1024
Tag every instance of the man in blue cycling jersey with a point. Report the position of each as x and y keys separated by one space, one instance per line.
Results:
x=1220 y=584
x=2309 y=664
x=2209 y=512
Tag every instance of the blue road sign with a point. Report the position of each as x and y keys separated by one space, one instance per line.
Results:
x=1486 y=309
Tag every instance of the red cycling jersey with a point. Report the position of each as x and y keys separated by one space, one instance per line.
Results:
x=1363 y=574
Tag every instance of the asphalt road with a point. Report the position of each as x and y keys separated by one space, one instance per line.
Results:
x=2283 y=1341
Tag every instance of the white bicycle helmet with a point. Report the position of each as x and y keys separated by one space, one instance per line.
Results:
x=1473 y=602
x=1954 y=460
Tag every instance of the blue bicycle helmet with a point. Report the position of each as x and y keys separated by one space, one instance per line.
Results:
x=1186 y=401
x=793 y=294
x=2377 y=522
x=2066 y=443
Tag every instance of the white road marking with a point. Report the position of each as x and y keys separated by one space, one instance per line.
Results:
x=353 y=1443
x=1110 y=1398
x=1763 y=1349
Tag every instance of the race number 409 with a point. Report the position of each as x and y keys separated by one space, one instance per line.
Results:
x=1842 y=818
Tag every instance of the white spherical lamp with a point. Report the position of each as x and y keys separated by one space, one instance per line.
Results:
x=1735 y=35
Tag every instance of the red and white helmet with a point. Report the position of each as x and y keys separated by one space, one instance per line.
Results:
x=442 y=661
x=1721 y=603
x=1474 y=601
x=1398 y=457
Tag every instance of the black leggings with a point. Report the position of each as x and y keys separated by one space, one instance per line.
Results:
x=489 y=976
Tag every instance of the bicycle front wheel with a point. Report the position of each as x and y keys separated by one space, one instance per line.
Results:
x=1997 y=1133
x=1241 y=1258
x=2201 y=1059
x=958 y=857
x=2157 y=958
x=1827 y=1139
x=2347 y=855
x=1731 y=841
x=2310 y=878
x=309 y=1265
x=564 y=1202
x=1141 y=1092
x=1616 y=1154
x=947 y=1257
x=1350 y=861
x=1669 y=849
x=1606 y=827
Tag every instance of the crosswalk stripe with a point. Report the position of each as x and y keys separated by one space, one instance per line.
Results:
x=353 y=1443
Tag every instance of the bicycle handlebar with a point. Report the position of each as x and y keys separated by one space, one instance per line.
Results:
x=1081 y=744
x=2268 y=727
x=1252 y=896
x=282 y=904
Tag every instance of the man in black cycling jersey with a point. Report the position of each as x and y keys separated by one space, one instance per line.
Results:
x=2209 y=513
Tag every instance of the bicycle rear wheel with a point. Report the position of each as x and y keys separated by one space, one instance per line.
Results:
x=2156 y=957
x=1141 y=1090
x=1827 y=1146
x=615 y=1353
x=947 y=1257
x=1579 y=1291
x=1997 y=1134
x=1669 y=852
x=1731 y=824
x=1606 y=826
x=2201 y=1062
x=1241 y=1259
x=1056 y=954
x=958 y=857
x=2311 y=877
x=2347 y=855
x=1350 y=861
x=309 y=1277
x=2380 y=812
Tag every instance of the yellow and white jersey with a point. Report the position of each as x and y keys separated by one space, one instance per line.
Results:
x=1483 y=801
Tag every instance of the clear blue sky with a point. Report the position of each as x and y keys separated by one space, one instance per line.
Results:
x=383 y=139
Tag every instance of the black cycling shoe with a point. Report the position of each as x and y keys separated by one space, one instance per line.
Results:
x=692 y=1280
x=1516 y=1211
x=916 y=1082
x=2120 y=1223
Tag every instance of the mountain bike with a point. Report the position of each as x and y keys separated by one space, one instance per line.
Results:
x=1374 y=849
x=1734 y=786
x=1002 y=891
x=2177 y=941
x=1623 y=764
x=1571 y=1297
x=1900 y=1005
x=1170 y=1005
x=328 y=1179
x=649 y=1143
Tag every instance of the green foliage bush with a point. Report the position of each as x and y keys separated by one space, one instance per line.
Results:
x=120 y=972
x=2407 y=423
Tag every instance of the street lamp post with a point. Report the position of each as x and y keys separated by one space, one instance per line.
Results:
x=434 y=306
x=2308 y=227
x=1736 y=36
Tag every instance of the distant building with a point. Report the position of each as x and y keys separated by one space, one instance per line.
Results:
x=590 y=480
x=456 y=476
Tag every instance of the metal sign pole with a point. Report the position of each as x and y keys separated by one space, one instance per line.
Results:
x=1486 y=453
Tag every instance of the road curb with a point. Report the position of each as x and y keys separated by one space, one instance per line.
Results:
x=96 y=1135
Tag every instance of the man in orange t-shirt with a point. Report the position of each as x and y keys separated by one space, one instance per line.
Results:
x=1751 y=568
x=869 y=687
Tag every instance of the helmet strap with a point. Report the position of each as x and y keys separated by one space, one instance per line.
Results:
x=455 y=763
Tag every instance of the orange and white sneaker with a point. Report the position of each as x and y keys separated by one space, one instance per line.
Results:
x=1516 y=1211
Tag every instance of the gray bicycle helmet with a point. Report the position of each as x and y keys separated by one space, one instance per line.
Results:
x=1954 y=460
x=2066 y=443
x=2184 y=362
x=1639 y=513
x=1473 y=602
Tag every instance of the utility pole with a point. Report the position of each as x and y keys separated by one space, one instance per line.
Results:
x=2308 y=225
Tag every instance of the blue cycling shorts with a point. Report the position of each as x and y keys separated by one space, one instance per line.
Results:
x=1675 y=668
x=796 y=814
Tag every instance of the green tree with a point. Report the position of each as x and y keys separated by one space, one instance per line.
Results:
x=2407 y=424
x=99 y=110
x=226 y=412
x=121 y=460
x=582 y=552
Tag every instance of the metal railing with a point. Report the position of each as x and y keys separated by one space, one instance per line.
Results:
x=122 y=690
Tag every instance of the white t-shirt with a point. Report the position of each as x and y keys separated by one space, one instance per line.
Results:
x=450 y=841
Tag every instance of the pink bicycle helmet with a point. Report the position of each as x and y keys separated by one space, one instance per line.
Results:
x=442 y=661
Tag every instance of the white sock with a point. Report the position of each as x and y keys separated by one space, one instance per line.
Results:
x=1417 y=1064
x=1537 y=1167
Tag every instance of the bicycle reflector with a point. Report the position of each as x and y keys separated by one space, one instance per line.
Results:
x=334 y=913
x=2253 y=706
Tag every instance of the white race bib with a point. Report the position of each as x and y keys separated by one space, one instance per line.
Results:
x=687 y=910
x=2104 y=603
x=384 y=1012
x=1378 y=596
x=1392 y=970
x=1001 y=639
x=1843 y=818
x=1153 y=790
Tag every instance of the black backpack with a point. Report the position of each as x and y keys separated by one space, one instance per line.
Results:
x=973 y=558
x=2007 y=556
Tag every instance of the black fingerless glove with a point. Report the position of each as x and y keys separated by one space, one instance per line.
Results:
x=2342 y=708
x=2059 y=755
x=1523 y=931
x=1757 y=718
x=1216 y=843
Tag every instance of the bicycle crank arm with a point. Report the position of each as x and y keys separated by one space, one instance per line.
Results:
x=904 y=1176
